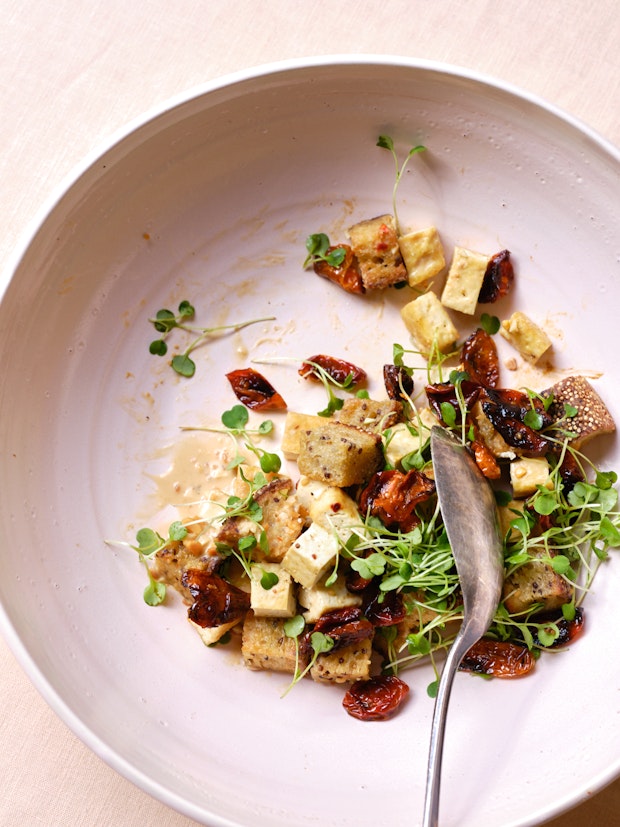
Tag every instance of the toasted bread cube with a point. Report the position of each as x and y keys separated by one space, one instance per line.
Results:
x=322 y=599
x=212 y=634
x=423 y=255
x=525 y=336
x=294 y=425
x=370 y=415
x=264 y=644
x=351 y=663
x=311 y=555
x=279 y=600
x=527 y=473
x=428 y=322
x=464 y=280
x=340 y=454
x=282 y=519
x=375 y=245
x=329 y=507
x=535 y=583
x=593 y=417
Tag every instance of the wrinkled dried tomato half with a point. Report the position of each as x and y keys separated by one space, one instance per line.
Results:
x=344 y=626
x=479 y=358
x=507 y=409
x=338 y=369
x=393 y=497
x=485 y=460
x=570 y=630
x=570 y=472
x=347 y=275
x=397 y=381
x=384 y=608
x=498 y=278
x=255 y=391
x=498 y=658
x=215 y=600
x=354 y=580
x=446 y=392
x=375 y=699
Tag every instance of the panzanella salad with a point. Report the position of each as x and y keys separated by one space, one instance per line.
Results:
x=342 y=570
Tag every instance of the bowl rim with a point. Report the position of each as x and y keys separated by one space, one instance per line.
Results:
x=291 y=65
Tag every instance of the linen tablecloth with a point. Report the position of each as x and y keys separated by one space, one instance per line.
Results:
x=74 y=71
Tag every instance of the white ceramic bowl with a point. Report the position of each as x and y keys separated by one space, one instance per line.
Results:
x=226 y=182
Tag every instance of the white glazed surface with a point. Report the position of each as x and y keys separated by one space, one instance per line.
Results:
x=227 y=185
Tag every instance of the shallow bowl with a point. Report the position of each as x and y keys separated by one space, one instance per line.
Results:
x=210 y=199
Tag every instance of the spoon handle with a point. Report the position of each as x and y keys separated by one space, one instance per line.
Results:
x=463 y=641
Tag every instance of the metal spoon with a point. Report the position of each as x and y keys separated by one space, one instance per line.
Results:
x=469 y=513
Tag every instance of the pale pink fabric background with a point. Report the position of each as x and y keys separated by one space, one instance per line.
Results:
x=73 y=71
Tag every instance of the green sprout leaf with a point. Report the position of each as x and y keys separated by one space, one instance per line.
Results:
x=269 y=579
x=317 y=246
x=386 y=142
x=165 y=321
x=490 y=324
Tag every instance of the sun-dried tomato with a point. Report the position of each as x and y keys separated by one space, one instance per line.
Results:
x=384 y=608
x=393 y=497
x=570 y=472
x=347 y=275
x=215 y=600
x=343 y=626
x=446 y=392
x=398 y=383
x=498 y=658
x=507 y=410
x=498 y=278
x=255 y=391
x=485 y=460
x=354 y=580
x=570 y=630
x=375 y=699
x=338 y=369
x=479 y=358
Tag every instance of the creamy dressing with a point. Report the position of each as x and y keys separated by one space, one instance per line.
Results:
x=197 y=481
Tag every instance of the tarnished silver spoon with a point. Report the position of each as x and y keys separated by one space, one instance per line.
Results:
x=469 y=513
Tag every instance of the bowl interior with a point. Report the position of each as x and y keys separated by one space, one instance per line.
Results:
x=211 y=200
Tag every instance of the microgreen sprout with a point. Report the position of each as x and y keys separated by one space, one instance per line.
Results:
x=148 y=543
x=334 y=403
x=317 y=246
x=320 y=644
x=490 y=324
x=385 y=142
x=268 y=579
x=165 y=321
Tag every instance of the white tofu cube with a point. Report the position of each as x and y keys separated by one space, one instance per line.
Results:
x=212 y=634
x=324 y=598
x=527 y=337
x=329 y=507
x=402 y=441
x=423 y=255
x=428 y=322
x=279 y=600
x=311 y=555
x=464 y=280
x=526 y=474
